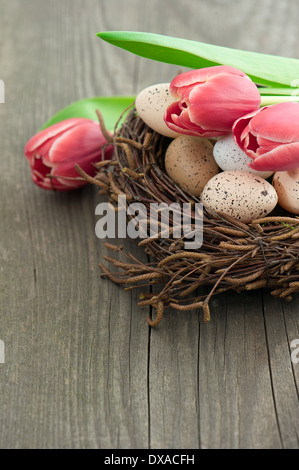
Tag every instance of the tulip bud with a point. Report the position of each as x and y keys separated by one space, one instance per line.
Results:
x=210 y=100
x=54 y=152
x=270 y=136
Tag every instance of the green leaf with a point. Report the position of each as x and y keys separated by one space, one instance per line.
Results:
x=110 y=107
x=264 y=69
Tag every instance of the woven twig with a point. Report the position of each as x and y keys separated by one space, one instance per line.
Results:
x=234 y=256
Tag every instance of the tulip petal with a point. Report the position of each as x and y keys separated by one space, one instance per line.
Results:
x=66 y=170
x=211 y=100
x=172 y=119
x=179 y=122
x=41 y=138
x=270 y=136
x=183 y=120
x=77 y=142
x=265 y=145
x=53 y=153
x=242 y=131
x=283 y=158
x=193 y=77
x=183 y=91
x=42 y=175
x=278 y=123
x=223 y=99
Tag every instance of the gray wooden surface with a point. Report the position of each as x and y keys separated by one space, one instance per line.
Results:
x=83 y=369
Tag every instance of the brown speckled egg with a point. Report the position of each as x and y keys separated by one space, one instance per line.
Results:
x=286 y=184
x=151 y=104
x=239 y=194
x=190 y=163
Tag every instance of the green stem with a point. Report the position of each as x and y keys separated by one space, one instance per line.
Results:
x=289 y=91
x=268 y=100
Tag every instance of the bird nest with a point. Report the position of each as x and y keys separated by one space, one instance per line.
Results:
x=234 y=256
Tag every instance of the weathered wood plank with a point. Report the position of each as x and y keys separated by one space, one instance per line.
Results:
x=83 y=369
x=285 y=391
x=237 y=409
x=173 y=382
x=76 y=367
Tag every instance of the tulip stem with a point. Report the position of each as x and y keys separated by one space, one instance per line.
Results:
x=269 y=100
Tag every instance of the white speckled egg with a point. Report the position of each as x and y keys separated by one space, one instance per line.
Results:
x=151 y=104
x=229 y=156
x=190 y=163
x=286 y=184
x=239 y=194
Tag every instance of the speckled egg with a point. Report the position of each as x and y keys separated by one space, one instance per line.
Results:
x=190 y=163
x=239 y=194
x=286 y=184
x=151 y=104
x=229 y=156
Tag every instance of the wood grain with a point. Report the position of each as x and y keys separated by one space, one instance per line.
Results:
x=83 y=369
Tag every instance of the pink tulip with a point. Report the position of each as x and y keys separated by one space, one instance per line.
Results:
x=53 y=153
x=210 y=100
x=270 y=136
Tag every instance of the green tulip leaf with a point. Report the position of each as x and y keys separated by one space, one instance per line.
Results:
x=111 y=109
x=264 y=69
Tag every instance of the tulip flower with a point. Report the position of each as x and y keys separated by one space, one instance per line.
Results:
x=209 y=101
x=53 y=153
x=270 y=136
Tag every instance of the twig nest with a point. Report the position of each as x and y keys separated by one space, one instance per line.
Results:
x=235 y=255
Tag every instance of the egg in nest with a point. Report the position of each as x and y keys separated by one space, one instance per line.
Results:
x=286 y=184
x=190 y=163
x=229 y=156
x=239 y=194
x=151 y=105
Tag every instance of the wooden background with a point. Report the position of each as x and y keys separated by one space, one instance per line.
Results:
x=83 y=369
